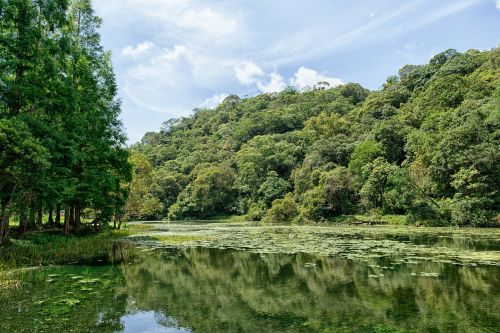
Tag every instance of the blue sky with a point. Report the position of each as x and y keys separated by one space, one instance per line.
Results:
x=171 y=56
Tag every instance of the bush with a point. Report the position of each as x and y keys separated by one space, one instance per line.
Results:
x=469 y=211
x=256 y=211
x=313 y=204
x=282 y=211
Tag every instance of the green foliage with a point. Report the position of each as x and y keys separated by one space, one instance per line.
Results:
x=256 y=211
x=282 y=211
x=365 y=153
x=273 y=188
x=207 y=195
x=21 y=157
x=375 y=175
x=339 y=191
x=425 y=145
x=141 y=203
x=62 y=145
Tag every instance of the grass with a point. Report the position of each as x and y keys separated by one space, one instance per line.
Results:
x=389 y=219
x=52 y=248
x=138 y=228
x=179 y=239
x=223 y=218
x=343 y=219
x=7 y=282
x=384 y=219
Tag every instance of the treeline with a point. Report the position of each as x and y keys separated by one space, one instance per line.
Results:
x=61 y=143
x=426 y=145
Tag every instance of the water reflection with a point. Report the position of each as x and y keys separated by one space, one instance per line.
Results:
x=210 y=290
x=150 y=322
x=464 y=243
x=234 y=291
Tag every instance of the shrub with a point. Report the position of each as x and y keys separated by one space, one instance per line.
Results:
x=282 y=211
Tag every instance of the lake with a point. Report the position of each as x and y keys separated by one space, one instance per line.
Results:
x=241 y=277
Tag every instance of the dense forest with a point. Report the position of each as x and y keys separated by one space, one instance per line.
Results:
x=426 y=145
x=61 y=143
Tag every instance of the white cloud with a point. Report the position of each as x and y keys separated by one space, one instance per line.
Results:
x=139 y=50
x=247 y=72
x=497 y=3
x=306 y=77
x=276 y=83
x=203 y=40
x=171 y=55
x=197 y=20
x=208 y=21
x=214 y=101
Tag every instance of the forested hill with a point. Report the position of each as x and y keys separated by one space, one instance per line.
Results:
x=425 y=145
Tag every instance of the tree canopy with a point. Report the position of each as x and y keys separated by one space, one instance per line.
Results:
x=61 y=143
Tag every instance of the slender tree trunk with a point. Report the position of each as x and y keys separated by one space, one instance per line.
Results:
x=23 y=221
x=77 y=216
x=51 y=217
x=71 y=216
x=4 y=230
x=58 y=215
x=31 y=218
x=117 y=221
x=39 y=215
x=95 y=223
x=4 y=225
x=66 y=220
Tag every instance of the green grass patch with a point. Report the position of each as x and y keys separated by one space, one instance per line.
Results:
x=368 y=218
x=179 y=239
x=138 y=228
x=223 y=218
x=389 y=219
x=52 y=248
x=7 y=282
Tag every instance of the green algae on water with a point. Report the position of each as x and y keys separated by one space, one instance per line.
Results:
x=356 y=243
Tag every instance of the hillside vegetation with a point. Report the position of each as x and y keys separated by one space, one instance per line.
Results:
x=425 y=145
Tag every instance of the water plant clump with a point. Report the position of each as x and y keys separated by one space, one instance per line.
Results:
x=354 y=243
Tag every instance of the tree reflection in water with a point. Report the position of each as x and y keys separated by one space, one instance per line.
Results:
x=214 y=290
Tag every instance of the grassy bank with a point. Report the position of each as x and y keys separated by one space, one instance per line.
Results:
x=381 y=219
x=52 y=248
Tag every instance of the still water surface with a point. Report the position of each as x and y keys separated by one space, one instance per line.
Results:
x=198 y=289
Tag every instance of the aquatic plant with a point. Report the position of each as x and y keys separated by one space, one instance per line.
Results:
x=409 y=243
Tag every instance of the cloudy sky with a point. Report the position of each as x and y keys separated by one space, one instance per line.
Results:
x=171 y=56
